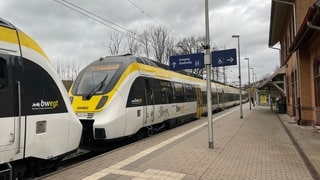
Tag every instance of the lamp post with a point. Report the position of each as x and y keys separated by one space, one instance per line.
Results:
x=247 y=59
x=240 y=91
x=207 y=60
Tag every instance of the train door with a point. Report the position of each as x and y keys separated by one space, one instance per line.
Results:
x=223 y=100
x=10 y=108
x=199 y=102
x=149 y=107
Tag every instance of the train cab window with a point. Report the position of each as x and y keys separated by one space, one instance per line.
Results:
x=3 y=74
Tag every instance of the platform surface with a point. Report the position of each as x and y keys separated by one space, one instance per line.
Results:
x=262 y=145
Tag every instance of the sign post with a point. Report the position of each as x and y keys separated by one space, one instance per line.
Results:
x=208 y=70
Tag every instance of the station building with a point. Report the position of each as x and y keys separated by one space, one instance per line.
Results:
x=295 y=26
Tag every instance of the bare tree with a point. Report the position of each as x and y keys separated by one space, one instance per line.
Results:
x=115 y=42
x=159 y=37
x=169 y=50
x=67 y=69
x=132 y=42
x=191 y=45
x=145 y=42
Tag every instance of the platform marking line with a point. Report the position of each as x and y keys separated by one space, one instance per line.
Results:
x=116 y=167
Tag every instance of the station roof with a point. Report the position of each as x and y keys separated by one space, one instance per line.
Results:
x=275 y=81
x=279 y=15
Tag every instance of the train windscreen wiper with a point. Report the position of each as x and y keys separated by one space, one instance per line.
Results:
x=97 y=88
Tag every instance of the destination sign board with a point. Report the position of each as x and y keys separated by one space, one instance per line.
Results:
x=188 y=61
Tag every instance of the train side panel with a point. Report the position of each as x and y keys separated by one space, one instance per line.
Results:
x=111 y=122
x=49 y=119
x=35 y=119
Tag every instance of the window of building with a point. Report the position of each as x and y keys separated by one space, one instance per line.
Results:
x=287 y=88
x=317 y=82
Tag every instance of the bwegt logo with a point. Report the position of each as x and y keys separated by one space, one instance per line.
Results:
x=45 y=104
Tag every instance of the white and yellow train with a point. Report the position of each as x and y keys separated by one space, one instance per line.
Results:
x=121 y=96
x=37 y=124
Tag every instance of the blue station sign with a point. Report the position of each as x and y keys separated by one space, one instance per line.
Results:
x=226 y=57
x=188 y=61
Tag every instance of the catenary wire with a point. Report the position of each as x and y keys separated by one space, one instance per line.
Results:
x=97 y=17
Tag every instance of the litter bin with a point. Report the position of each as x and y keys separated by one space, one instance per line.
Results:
x=281 y=108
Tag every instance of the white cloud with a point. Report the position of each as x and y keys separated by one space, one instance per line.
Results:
x=64 y=33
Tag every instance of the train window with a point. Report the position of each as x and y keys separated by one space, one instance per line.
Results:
x=190 y=92
x=166 y=92
x=3 y=74
x=214 y=98
x=98 y=78
x=156 y=91
x=204 y=97
x=137 y=93
x=179 y=95
x=149 y=92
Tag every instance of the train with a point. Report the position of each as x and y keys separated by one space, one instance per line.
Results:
x=38 y=126
x=117 y=97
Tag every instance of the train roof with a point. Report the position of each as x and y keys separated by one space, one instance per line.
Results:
x=129 y=58
x=5 y=23
x=12 y=35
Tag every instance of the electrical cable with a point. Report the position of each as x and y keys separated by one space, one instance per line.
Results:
x=97 y=17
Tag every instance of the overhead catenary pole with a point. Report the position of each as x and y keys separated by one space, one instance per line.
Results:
x=207 y=61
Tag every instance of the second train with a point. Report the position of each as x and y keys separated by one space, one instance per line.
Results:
x=122 y=96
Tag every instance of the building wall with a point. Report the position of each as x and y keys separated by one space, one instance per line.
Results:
x=300 y=63
x=291 y=88
x=314 y=48
x=306 y=84
x=302 y=7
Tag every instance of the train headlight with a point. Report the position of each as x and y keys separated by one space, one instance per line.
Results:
x=102 y=101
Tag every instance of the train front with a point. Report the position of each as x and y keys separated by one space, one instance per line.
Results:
x=98 y=101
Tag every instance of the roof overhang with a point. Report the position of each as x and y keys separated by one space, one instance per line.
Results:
x=276 y=80
x=278 y=19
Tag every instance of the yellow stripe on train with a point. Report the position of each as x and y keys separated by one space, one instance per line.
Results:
x=10 y=36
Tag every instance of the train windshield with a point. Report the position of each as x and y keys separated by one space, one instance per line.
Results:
x=95 y=79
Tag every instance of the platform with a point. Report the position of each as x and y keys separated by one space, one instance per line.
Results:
x=262 y=145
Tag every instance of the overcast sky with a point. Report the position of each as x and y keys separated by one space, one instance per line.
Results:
x=67 y=35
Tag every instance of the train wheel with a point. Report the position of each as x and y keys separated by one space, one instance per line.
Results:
x=139 y=135
x=150 y=131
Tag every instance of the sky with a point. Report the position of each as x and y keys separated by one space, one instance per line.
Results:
x=66 y=35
